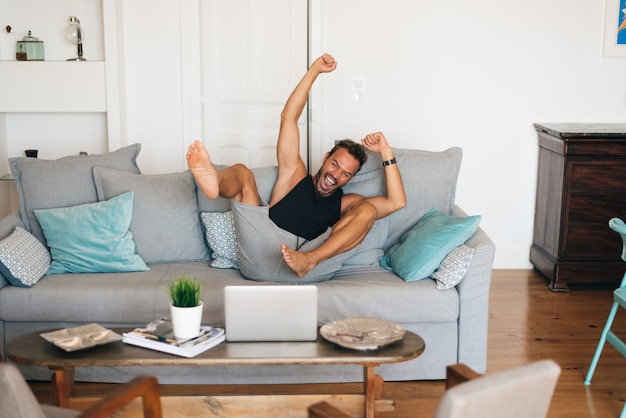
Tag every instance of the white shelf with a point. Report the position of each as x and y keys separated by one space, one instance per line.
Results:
x=52 y=86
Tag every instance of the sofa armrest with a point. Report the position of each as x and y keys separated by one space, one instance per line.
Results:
x=7 y=225
x=474 y=301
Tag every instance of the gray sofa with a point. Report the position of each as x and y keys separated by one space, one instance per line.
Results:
x=170 y=237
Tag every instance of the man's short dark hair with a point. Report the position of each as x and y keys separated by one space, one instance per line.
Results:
x=354 y=148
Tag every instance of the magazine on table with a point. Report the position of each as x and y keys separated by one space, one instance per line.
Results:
x=159 y=335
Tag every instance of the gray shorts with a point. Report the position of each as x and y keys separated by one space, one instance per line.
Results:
x=259 y=240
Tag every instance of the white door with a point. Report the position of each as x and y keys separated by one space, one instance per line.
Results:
x=253 y=55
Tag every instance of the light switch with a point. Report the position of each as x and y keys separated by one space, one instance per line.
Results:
x=358 y=89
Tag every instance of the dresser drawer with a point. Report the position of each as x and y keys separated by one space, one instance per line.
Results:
x=596 y=175
x=596 y=207
x=591 y=241
x=587 y=232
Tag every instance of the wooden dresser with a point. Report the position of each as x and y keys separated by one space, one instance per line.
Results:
x=581 y=184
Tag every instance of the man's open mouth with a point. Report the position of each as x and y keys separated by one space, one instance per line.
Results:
x=329 y=181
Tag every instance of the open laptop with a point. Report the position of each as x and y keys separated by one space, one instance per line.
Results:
x=271 y=313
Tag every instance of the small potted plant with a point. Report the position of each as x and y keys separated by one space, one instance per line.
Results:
x=186 y=306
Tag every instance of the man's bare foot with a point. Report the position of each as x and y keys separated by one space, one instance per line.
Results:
x=298 y=261
x=203 y=169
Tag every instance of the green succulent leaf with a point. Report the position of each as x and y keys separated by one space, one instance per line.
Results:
x=185 y=291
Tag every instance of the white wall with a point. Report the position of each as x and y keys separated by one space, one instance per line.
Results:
x=477 y=75
x=150 y=66
x=5 y=200
x=54 y=134
x=437 y=74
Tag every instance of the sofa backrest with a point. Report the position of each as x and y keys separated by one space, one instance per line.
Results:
x=68 y=181
x=429 y=178
x=165 y=224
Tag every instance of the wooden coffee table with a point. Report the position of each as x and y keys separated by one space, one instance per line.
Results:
x=32 y=350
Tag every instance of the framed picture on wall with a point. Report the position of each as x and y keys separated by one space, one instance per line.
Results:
x=615 y=29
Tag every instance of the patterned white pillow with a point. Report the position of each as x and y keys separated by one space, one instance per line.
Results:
x=454 y=267
x=220 y=236
x=23 y=258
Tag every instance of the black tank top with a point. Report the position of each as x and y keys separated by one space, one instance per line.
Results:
x=304 y=212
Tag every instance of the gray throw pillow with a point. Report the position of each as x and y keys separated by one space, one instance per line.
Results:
x=222 y=239
x=23 y=258
x=166 y=223
x=68 y=181
x=454 y=267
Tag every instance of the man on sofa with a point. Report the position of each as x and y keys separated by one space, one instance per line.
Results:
x=313 y=223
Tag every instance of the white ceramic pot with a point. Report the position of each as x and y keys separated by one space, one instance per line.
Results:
x=186 y=321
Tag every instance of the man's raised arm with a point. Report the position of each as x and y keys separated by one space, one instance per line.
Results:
x=395 y=198
x=288 y=147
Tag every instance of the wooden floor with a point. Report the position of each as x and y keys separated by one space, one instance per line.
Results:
x=527 y=323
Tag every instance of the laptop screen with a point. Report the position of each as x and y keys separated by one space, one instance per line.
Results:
x=271 y=313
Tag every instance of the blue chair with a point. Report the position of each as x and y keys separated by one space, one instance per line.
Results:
x=619 y=299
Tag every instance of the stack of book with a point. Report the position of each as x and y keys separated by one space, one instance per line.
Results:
x=159 y=335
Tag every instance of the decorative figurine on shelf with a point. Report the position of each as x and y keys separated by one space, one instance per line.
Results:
x=75 y=35
x=29 y=48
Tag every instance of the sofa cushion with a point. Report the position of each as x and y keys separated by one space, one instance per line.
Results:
x=222 y=240
x=422 y=249
x=23 y=258
x=166 y=222
x=139 y=297
x=454 y=267
x=68 y=181
x=429 y=178
x=91 y=238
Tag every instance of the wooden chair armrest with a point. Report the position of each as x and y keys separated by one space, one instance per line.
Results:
x=146 y=387
x=459 y=373
x=325 y=410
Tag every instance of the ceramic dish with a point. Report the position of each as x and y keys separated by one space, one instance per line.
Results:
x=362 y=333
x=82 y=337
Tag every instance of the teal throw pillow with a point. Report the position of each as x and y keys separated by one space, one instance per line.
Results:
x=422 y=248
x=92 y=238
